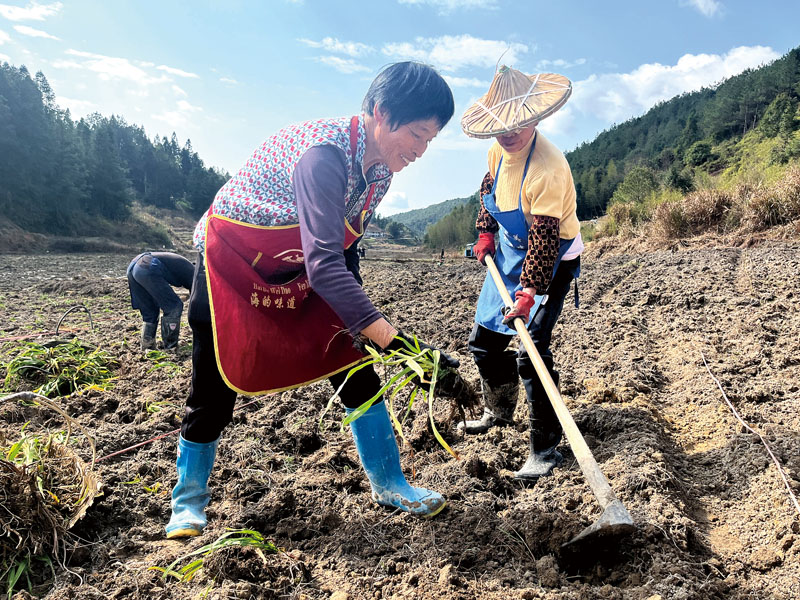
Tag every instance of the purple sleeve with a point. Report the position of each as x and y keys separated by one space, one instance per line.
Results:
x=320 y=184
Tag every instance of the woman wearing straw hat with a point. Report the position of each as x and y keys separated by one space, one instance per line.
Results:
x=276 y=298
x=528 y=204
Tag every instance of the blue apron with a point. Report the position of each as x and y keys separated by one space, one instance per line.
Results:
x=511 y=251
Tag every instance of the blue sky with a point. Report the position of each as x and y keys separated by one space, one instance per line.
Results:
x=226 y=74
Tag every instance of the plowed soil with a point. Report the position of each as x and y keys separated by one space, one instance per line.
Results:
x=661 y=338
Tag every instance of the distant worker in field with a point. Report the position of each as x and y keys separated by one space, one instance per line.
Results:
x=528 y=198
x=151 y=276
x=282 y=302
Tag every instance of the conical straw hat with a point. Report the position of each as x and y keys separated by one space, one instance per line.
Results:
x=515 y=100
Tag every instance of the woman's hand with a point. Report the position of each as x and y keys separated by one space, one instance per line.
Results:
x=522 y=306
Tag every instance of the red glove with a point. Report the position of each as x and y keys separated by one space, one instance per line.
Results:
x=522 y=308
x=484 y=246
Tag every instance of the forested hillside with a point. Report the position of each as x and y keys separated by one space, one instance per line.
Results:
x=59 y=176
x=417 y=220
x=457 y=227
x=691 y=135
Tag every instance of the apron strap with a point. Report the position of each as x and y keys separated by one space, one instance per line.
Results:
x=577 y=301
x=524 y=172
x=354 y=138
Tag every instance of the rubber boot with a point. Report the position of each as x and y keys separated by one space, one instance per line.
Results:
x=190 y=495
x=499 y=402
x=149 y=336
x=545 y=430
x=380 y=457
x=170 y=330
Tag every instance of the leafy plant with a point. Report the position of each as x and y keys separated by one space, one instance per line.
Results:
x=46 y=489
x=154 y=406
x=415 y=365
x=154 y=489
x=161 y=360
x=61 y=368
x=196 y=558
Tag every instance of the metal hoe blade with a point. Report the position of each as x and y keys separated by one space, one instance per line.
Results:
x=615 y=520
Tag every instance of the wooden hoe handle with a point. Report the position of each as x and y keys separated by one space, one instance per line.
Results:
x=591 y=470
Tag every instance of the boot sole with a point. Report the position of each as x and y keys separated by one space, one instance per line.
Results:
x=185 y=532
x=430 y=515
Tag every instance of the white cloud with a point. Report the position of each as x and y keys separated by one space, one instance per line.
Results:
x=559 y=64
x=78 y=108
x=179 y=117
x=187 y=107
x=394 y=202
x=451 y=53
x=179 y=91
x=5 y=58
x=616 y=97
x=66 y=64
x=560 y=123
x=178 y=72
x=4 y=37
x=30 y=31
x=33 y=12
x=229 y=80
x=111 y=68
x=708 y=8
x=449 y=6
x=343 y=65
x=466 y=82
x=330 y=44
x=452 y=138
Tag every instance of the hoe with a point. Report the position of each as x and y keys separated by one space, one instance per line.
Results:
x=615 y=520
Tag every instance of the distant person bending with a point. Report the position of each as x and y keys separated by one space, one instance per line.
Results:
x=283 y=299
x=530 y=201
x=151 y=276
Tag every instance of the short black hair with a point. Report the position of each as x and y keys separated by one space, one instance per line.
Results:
x=410 y=91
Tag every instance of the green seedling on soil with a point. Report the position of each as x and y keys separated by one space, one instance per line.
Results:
x=12 y=571
x=31 y=452
x=153 y=489
x=60 y=368
x=161 y=360
x=415 y=365
x=154 y=406
x=232 y=538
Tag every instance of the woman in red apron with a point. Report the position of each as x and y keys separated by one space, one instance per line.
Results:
x=277 y=298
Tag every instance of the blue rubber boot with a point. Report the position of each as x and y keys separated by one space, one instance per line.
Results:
x=190 y=495
x=377 y=448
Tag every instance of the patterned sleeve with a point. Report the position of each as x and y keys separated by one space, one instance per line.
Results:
x=486 y=222
x=543 y=241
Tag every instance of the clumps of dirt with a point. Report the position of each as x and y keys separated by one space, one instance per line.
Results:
x=272 y=575
x=466 y=400
x=80 y=286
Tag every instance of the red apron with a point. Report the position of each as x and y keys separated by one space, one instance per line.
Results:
x=272 y=332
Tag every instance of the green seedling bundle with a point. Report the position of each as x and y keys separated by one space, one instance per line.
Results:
x=60 y=368
x=412 y=365
x=231 y=539
x=45 y=488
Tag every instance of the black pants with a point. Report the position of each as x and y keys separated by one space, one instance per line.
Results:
x=209 y=407
x=498 y=366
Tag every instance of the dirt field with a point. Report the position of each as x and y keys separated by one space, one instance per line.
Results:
x=714 y=517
